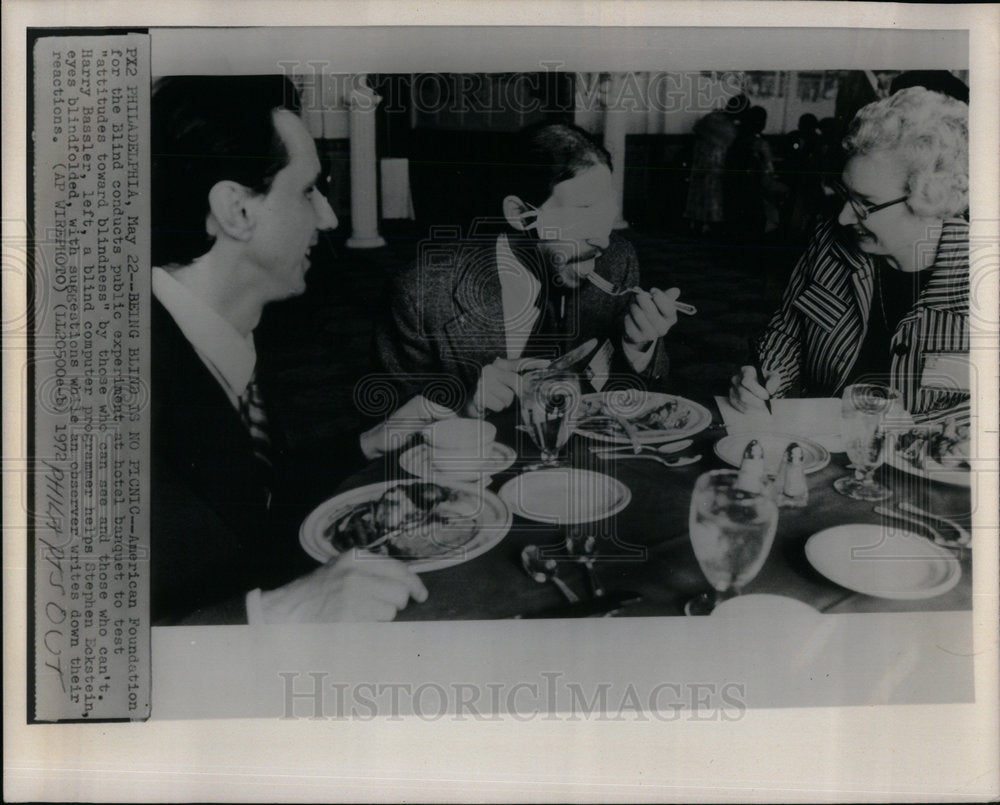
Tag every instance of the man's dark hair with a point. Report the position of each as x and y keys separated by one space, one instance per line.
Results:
x=545 y=155
x=206 y=129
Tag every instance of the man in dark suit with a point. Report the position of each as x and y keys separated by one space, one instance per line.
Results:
x=468 y=315
x=236 y=212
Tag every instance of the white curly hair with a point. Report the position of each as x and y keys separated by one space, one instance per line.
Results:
x=930 y=131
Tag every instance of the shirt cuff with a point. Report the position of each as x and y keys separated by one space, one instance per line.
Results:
x=255 y=613
x=638 y=358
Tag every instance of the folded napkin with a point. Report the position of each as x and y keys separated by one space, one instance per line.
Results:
x=816 y=418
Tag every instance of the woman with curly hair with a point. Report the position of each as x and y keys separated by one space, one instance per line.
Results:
x=882 y=292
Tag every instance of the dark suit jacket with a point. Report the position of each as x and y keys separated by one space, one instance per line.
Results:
x=213 y=537
x=442 y=320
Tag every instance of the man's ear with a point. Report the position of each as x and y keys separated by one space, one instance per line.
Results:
x=513 y=210
x=229 y=210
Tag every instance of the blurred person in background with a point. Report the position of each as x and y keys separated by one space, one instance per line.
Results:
x=713 y=135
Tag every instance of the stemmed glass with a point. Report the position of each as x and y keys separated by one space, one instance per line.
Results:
x=731 y=532
x=864 y=407
x=548 y=403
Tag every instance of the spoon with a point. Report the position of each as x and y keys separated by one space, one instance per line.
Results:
x=543 y=570
x=587 y=558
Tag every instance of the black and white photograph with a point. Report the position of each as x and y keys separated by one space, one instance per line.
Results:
x=609 y=403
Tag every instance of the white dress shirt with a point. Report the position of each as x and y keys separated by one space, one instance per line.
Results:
x=519 y=289
x=229 y=356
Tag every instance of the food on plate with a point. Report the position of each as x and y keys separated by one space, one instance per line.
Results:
x=409 y=521
x=602 y=414
x=946 y=444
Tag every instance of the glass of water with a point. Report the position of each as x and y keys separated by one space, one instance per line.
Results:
x=731 y=530
x=548 y=403
x=864 y=407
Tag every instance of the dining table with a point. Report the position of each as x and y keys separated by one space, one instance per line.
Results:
x=645 y=548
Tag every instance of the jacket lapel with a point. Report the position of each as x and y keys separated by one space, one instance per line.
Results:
x=476 y=332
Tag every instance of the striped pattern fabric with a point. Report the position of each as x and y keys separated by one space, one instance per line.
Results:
x=255 y=420
x=815 y=337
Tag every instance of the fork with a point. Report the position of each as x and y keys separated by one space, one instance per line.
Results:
x=964 y=537
x=602 y=284
x=679 y=461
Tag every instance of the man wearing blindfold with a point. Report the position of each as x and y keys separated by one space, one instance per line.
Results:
x=469 y=315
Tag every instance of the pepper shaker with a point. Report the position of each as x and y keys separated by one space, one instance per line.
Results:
x=791 y=485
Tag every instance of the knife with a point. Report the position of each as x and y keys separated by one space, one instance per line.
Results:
x=571 y=357
x=630 y=431
x=609 y=602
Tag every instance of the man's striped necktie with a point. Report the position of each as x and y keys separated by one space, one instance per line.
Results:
x=255 y=420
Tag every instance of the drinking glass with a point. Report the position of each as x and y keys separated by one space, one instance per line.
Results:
x=548 y=403
x=864 y=407
x=731 y=532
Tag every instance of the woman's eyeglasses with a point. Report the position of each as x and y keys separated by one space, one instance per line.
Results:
x=862 y=209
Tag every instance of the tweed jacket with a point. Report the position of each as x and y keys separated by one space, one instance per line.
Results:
x=814 y=339
x=443 y=320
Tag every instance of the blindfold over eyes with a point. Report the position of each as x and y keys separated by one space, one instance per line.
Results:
x=563 y=223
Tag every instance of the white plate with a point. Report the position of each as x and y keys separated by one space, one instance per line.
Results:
x=766 y=607
x=730 y=449
x=883 y=561
x=565 y=495
x=494 y=520
x=933 y=471
x=634 y=403
x=417 y=461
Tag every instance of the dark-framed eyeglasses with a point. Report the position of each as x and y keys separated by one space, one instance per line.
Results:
x=862 y=209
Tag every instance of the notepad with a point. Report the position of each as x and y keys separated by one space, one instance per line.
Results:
x=816 y=418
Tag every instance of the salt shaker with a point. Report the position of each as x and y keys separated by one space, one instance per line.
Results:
x=791 y=485
x=751 y=476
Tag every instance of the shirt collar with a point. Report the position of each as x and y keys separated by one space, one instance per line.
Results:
x=231 y=354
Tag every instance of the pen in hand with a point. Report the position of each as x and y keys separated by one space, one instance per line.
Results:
x=763 y=385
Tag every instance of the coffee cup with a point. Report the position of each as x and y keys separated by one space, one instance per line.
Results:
x=459 y=443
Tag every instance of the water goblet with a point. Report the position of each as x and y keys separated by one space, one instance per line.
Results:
x=864 y=407
x=731 y=531
x=548 y=403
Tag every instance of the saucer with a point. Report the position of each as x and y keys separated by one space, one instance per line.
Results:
x=418 y=461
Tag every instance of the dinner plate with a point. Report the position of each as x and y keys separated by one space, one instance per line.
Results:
x=766 y=607
x=417 y=461
x=493 y=519
x=565 y=495
x=933 y=471
x=730 y=449
x=633 y=403
x=883 y=561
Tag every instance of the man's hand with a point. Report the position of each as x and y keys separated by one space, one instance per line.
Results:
x=650 y=316
x=497 y=384
x=411 y=417
x=355 y=586
x=745 y=393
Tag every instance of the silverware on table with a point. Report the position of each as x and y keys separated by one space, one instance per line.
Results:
x=587 y=560
x=679 y=461
x=602 y=284
x=936 y=537
x=630 y=431
x=964 y=537
x=606 y=605
x=543 y=570
x=669 y=447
